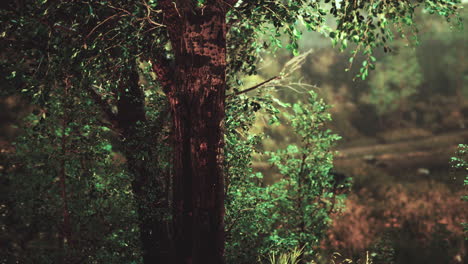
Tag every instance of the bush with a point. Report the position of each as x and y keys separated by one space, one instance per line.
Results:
x=294 y=211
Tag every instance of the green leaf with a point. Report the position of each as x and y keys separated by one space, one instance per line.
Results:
x=107 y=147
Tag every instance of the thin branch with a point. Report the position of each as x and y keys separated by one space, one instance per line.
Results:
x=230 y=3
x=100 y=24
x=66 y=228
x=120 y=9
x=255 y=86
x=150 y=10
x=177 y=10
x=56 y=26
x=290 y=87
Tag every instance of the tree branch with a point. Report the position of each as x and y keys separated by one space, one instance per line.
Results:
x=255 y=86
x=231 y=3
x=100 y=24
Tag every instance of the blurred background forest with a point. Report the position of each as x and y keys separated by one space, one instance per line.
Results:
x=399 y=128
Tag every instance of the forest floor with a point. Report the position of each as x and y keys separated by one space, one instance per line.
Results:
x=405 y=202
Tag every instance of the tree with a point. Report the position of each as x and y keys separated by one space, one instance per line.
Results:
x=197 y=50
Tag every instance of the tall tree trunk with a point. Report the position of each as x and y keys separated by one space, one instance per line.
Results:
x=66 y=229
x=196 y=95
x=148 y=183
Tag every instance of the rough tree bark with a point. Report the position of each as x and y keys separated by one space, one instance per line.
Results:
x=196 y=88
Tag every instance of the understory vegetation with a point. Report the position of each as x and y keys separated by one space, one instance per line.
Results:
x=293 y=212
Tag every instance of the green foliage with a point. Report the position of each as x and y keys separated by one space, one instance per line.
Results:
x=372 y=24
x=63 y=164
x=61 y=57
x=306 y=193
x=247 y=202
x=292 y=257
x=293 y=212
x=263 y=26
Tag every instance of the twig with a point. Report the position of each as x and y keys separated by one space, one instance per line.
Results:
x=177 y=10
x=100 y=24
x=148 y=15
x=120 y=9
x=255 y=86
x=230 y=3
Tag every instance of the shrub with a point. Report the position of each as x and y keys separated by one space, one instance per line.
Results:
x=294 y=211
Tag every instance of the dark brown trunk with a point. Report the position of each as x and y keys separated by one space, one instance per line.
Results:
x=65 y=232
x=66 y=226
x=148 y=183
x=198 y=38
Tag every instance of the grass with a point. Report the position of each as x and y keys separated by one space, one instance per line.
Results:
x=294 y=257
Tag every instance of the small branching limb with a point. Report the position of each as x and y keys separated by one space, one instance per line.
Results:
x=294 y=64
x=172 y=10
x=149 y=14
x=100 y=24
x=230 y=2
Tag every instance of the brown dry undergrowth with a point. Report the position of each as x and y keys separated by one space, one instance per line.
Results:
x=418 y=213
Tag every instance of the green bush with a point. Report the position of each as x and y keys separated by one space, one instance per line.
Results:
x=294 y=211
x=67 y=199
